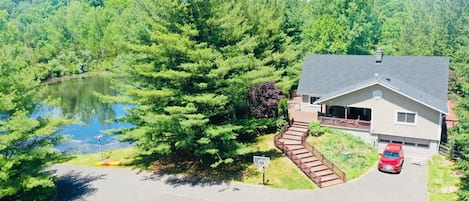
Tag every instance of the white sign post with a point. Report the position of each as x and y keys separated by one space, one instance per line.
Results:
x=262 y=162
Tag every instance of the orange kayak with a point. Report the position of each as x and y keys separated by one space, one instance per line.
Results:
x=108 y=163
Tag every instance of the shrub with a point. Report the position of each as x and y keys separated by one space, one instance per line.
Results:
x=251 y=128
x=316 y=130
x=283 y=109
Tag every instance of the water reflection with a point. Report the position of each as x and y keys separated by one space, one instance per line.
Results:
x=77 y=99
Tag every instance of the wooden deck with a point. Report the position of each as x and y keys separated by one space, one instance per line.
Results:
x=297 y=115
x=345 y=123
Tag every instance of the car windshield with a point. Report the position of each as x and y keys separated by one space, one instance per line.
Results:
x=392 y=155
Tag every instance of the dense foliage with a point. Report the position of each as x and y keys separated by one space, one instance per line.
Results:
x=263 y=100
x=191 y=64
x=26 y=141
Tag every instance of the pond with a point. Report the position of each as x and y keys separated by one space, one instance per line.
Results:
x=76 y=99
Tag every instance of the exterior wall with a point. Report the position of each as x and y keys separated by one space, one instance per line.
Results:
x=384 y=113
x=364 y=135
x=306 y=107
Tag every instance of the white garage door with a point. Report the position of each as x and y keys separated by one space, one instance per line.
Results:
x=412 y=147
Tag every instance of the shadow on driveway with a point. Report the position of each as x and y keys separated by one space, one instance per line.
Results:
x=73 y=185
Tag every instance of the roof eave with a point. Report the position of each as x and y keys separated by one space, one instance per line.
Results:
x=388 y=86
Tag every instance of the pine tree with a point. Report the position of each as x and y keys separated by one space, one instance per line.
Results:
x=193 y=65
x=26 y=142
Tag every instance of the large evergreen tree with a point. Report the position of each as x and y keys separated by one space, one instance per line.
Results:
x=193 y=65
x=26 y=142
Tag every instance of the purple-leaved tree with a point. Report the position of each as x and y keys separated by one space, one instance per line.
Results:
x=263 y=100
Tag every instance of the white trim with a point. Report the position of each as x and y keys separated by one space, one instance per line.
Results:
x=440 y=129
x=390 y=87
x=407 y=112
x=313 y=104
x=301 y=102
x=347 y=92
x=372 y=128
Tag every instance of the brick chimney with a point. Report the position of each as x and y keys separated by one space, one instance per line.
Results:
x=379 y=55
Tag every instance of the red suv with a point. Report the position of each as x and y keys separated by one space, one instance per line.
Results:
x=392 y=158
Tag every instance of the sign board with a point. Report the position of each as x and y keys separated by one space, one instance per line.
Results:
x=261 y=161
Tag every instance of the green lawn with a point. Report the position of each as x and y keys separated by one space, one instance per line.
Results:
x=442 y=181
x=125 y=156
x=335 y=145
x=282 y=173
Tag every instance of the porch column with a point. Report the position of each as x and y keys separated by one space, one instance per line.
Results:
x=346 y=111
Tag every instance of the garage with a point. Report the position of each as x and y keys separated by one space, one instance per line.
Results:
x=412 y=147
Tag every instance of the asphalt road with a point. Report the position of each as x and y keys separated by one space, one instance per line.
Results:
x=116 y=184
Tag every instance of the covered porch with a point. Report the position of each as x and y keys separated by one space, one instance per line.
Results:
x=333 y=115
x=348 y=117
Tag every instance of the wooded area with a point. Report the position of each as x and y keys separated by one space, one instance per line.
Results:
x=192 y=64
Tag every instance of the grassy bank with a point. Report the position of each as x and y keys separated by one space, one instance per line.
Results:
x=443 y=179
x=282 y=173
x=350 y=153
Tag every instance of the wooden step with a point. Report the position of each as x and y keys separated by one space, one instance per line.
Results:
x=302 y=123
x=297 y=133
x=329 y=178
x=309 y=160
x=290 y=142
x=319 y=168
x=292 y=137
x=304 y=155
x=331 y=183
x=295 y=147
x=313 y=163
x=324 y=173
x=300 y=151
x=299 y=129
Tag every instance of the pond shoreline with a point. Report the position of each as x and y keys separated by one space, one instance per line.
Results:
x=76 y=97
x=81 y=75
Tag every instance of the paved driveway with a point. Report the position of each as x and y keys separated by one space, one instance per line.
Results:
x=102 y=184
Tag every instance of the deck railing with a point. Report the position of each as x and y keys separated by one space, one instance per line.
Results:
x=279 y=135
x=346 y=123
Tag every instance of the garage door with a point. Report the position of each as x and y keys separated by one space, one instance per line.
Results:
x=412 y=147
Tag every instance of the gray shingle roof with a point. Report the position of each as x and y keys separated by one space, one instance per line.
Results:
x=422 y=78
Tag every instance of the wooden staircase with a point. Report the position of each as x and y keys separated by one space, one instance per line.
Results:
x=291 y=140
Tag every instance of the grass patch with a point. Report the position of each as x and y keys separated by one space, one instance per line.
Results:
x=125 y=155
x=335 y=145
x=282 y=172
x=443 y=180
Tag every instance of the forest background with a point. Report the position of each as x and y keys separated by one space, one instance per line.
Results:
x=198 y=60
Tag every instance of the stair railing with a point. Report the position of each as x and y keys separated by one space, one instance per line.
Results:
x=325 y=161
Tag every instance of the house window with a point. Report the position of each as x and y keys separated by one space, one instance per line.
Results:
x=406 y=117
x=409 y=144
x=423 y=145
x=313 y=99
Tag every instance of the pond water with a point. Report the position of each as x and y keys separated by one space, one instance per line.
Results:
x=77 y=99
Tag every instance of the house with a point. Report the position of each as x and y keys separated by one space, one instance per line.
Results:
x=382 y=99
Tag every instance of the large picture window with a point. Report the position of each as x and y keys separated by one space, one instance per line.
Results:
x=406 y=117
